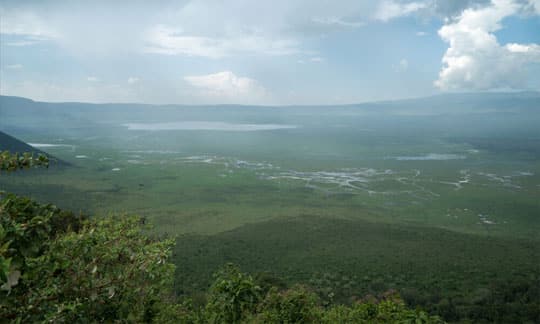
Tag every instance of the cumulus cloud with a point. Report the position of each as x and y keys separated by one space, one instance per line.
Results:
x=132 y=80
x=390 y=9
x=450 y=9
x=475 y=60
x=227 y=86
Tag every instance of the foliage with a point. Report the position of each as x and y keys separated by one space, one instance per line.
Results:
x=73 y=269
x=233 y=296
x=295 y=305
x=108 y=271
x=10 y=162
x=388 y=308
x=457 y=276
x=26 y=229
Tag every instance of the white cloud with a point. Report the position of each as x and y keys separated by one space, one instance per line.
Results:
x=56 y=92
x=337 y=21
x=132 y=80
x=27 y=24
x=215 y=29
x=70 y=25
x=403 y=64
x=530 y=49
x=314 y=59
x=212 y=29
x=390 y=9
x=475 y=60
x=421 y=33
x=174 y=41
x=92 y=79
x=14 y=66
x=535 y=5
x=227 y=87
x=20 y=43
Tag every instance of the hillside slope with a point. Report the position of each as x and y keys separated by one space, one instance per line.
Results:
x=14 y=145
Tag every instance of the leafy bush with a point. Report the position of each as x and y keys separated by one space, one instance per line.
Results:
x=296 y=305
x=14 y=161
x=58 y=267
x=233 y=296
x=26 y=228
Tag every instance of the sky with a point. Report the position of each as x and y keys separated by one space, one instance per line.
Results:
x=279 y=52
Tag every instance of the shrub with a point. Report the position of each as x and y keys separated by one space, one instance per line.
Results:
x=58 y=267
x=233 y=296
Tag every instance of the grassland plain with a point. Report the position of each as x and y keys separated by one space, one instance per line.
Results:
x=210 y=193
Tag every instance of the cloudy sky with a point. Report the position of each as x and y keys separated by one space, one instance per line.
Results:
x=266 y=52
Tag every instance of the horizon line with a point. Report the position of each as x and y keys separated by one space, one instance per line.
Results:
x=537 y=92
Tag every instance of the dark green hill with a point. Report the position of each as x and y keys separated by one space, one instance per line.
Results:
x=14 y=145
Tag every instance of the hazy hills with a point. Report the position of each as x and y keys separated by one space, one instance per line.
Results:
x=457 y=117
x=471 y=100
x=461 y=113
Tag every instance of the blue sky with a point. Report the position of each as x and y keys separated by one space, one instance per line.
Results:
x=266 y=52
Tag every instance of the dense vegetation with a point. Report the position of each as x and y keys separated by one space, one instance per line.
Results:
x=13 y=162
x=460 y=277
x=56 y=266
x=63 y=268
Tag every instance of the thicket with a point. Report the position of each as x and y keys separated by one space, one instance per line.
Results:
x=460 y=277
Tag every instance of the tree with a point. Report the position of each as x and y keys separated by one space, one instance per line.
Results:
x=75 y=269
x=10 y=162
x=233 y=296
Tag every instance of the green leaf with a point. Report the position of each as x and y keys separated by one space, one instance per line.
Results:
x=12 y=280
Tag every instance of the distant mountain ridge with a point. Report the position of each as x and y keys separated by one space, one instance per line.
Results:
x=452 y=97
